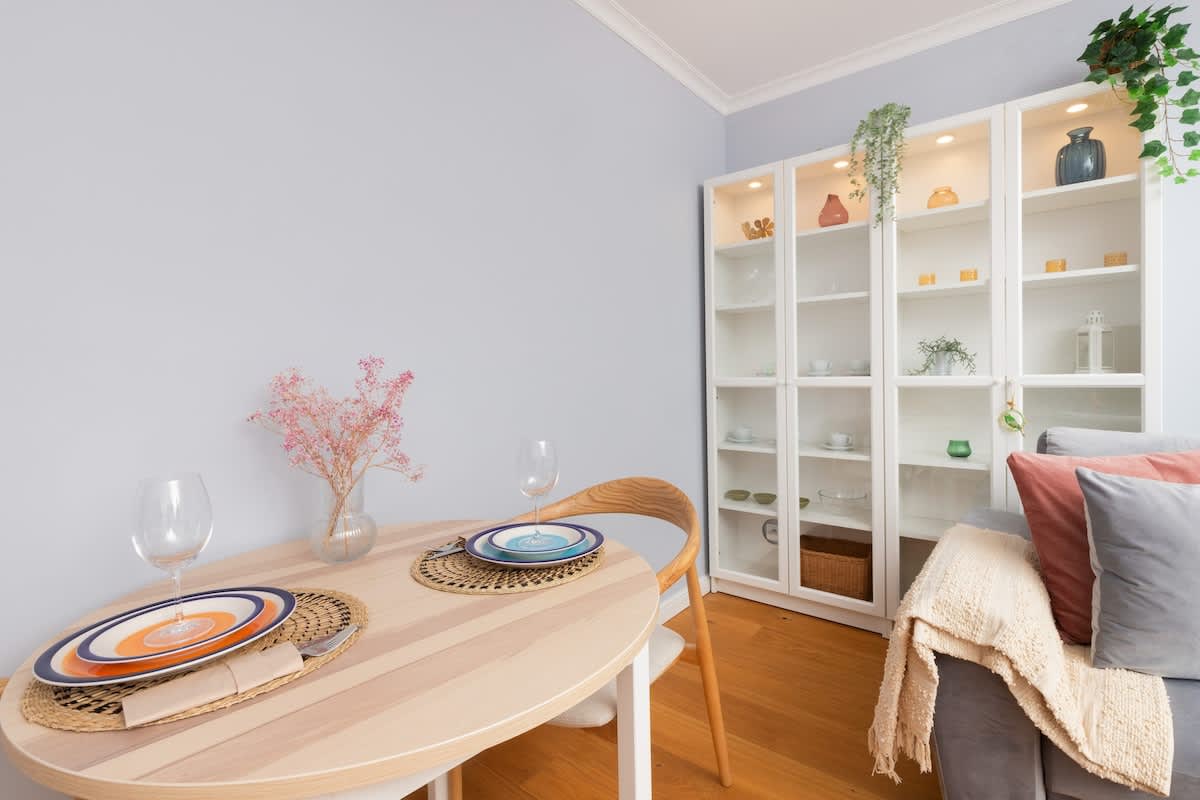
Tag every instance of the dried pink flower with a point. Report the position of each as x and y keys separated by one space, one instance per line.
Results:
x=339 y=440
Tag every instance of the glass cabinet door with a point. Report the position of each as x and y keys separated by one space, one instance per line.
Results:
x=1079 y=258
x=748 y=485
x=744 y=282
x=833 y=290
x=945 y=323
x=744 y=279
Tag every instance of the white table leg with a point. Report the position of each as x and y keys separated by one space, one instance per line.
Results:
x=633 y=728
x=439 y=788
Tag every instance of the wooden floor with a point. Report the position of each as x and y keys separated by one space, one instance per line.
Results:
x=798 y=694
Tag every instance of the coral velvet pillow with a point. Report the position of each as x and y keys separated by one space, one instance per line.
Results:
x=1054 y=508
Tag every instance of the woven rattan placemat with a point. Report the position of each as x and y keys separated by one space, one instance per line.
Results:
x=462 y=574
x=319 y=612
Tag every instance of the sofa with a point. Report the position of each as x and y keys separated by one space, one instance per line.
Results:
x=985 y=746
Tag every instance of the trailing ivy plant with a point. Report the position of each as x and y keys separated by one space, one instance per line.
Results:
x=880 y=137
x=955 y=349
x=1145 y=55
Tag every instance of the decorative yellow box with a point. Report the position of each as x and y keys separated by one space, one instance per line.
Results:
x=1056 y=265
x=968 y=274
x=927 y=279
x=1117 y=258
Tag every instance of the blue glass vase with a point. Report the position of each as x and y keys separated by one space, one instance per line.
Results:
x=1081 y=160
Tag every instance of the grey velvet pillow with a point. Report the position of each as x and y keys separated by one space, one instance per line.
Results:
x=1144 y=537
x=1089 y=442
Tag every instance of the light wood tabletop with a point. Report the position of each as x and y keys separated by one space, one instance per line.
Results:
x=436 y=678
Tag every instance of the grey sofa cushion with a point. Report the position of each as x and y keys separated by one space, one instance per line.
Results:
x=1146 y=555
x=1086 y=442
x=1066 y=780
x=1002 y=521
x=987 y=749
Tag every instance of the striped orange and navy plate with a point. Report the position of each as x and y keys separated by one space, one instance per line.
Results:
x=63 y=665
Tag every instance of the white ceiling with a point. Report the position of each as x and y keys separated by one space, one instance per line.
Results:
x=738 y=53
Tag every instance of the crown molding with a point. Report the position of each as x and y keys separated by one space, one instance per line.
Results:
x=625 y=25
x=629 y=28
x=927 y=38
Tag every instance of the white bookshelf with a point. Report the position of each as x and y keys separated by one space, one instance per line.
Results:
x=851 y=293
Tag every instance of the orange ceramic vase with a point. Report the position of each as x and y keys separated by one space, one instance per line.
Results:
x=942 y=196
x=834 y=213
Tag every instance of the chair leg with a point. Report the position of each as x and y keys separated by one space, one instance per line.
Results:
x=708 y=676
x=456 y=783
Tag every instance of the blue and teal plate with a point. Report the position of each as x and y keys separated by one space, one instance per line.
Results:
x=547 y=538
x=589 y=540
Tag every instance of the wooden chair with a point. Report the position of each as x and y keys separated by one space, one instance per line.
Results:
x=651 y=497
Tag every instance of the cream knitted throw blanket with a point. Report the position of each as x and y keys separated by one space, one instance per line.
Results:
x=980 y=598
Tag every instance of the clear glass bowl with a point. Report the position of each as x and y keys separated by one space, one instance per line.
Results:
x=843 y=498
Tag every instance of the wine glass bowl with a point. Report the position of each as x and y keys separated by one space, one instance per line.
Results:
x=537 y=475
x=174 y=523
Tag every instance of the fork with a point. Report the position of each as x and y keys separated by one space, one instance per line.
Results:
x=327 y=644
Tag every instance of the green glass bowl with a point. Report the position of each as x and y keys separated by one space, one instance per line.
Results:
x=804 y=501
x=737 y=494
x=958 y=448
x=764 y=498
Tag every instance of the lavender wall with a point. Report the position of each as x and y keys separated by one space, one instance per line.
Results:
x=501 y=196
x=1025 y=57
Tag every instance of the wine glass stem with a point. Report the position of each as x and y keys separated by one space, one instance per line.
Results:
x=537 y=513
x=177 y=585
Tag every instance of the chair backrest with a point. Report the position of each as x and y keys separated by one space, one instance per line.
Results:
x=647 y=497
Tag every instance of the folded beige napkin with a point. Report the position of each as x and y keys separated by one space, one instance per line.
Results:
x=232 y=676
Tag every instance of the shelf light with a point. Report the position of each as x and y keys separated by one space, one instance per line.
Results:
x=945 y=138
x=841 y=164
x=1075 y=109
x=755 y=184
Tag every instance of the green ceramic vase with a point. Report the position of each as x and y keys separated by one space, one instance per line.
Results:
x=958 y=448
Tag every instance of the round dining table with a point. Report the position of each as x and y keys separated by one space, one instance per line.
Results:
x=435 y=678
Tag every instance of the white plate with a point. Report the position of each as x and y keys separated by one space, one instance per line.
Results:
x=122 y=641
x=477 y=547
x=829 y=446
x=824 y=374
x=518 y=539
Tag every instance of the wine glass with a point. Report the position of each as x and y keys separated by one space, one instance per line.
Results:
x=174 y=524
x=537 y=472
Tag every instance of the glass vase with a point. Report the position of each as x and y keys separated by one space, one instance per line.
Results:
x=1083 y=159
x=346 y=532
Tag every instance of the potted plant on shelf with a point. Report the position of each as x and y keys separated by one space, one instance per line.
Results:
x=941 y=354
x=338 y=440
x=880 y=136
x=1144 y=57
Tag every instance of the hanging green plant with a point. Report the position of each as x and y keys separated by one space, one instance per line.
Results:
x=1145 y=56
x=880 y=137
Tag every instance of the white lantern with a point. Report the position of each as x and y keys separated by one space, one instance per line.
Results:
x=1095 y=345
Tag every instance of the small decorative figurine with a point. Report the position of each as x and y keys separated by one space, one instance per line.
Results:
x=760 y=229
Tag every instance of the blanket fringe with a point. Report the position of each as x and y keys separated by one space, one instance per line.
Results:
x=910 y=743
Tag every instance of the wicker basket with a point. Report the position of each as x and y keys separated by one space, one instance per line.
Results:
x=836 y=565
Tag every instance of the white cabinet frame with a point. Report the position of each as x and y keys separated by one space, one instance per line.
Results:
x=1006 y=379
